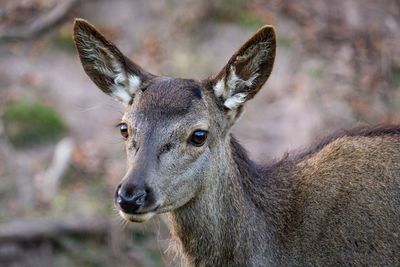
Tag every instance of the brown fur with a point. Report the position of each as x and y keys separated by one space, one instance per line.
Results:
x=335 y=204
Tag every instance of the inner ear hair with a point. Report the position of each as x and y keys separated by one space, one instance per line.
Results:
x=247 y=70
x=108 y=68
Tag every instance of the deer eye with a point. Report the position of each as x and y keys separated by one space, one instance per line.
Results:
x=123 y=128
x=198 y=137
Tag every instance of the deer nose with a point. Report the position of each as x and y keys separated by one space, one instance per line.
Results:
x=130 y=199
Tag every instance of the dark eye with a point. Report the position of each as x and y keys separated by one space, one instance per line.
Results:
x=198 y=137
x=123 y=128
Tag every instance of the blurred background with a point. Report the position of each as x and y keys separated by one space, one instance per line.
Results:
x=337 y=66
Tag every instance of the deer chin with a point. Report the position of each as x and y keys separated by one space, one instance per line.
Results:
x=138 y=218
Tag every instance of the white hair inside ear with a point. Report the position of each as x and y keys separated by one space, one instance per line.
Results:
x=120 y=93
x=226 y=88
x=125 y=85
x=235 y=101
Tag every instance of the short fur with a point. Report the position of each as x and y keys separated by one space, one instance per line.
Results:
x=335 y=204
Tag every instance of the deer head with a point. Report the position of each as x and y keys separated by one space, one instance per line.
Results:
x=176 y=130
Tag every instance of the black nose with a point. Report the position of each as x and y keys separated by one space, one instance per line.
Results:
x=130 y=199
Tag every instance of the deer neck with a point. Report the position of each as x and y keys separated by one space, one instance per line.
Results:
x=223 y=226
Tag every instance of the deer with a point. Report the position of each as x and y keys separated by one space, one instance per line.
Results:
x=336 y=203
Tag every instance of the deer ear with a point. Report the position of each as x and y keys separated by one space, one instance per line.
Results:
x=247 y=70
x=106 y=66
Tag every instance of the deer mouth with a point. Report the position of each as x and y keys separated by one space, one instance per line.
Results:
x=139 y=216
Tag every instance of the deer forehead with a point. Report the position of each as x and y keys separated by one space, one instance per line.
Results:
x=169 y=99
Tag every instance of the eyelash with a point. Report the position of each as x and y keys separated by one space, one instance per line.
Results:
x=118 y=125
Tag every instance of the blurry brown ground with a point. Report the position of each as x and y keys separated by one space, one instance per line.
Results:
x=338 y=66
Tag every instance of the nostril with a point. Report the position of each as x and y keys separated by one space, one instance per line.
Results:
x=140 y=198
x=133 y=199
x=128 y=196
